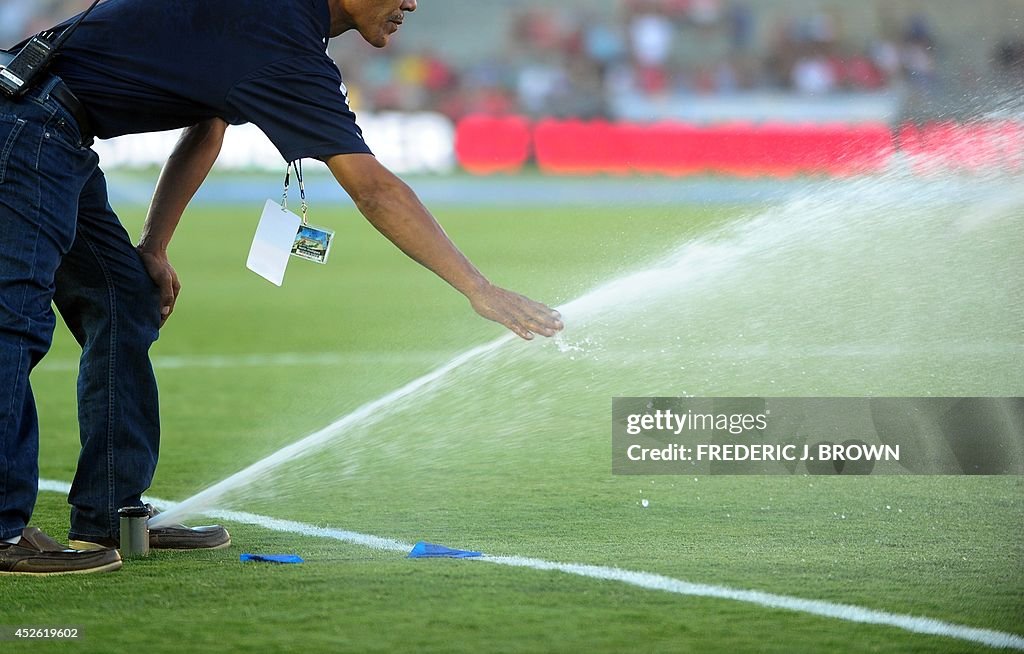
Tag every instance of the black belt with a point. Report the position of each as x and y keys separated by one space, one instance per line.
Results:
x=62 y=94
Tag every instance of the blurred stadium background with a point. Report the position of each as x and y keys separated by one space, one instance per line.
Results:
x=735 y=87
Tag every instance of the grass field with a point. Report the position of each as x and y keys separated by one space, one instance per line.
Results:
x=511 y=457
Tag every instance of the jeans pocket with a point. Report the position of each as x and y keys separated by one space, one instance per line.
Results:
x=10 y=129
x=66 y=134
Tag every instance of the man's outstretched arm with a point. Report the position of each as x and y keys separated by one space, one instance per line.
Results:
x=397 y=213
x=182 y=175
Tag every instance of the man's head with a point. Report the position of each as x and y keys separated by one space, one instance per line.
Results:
x=375 y=20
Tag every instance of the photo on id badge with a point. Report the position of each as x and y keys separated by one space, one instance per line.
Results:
x=312 y=243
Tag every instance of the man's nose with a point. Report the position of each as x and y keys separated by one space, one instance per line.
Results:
x=409 y=5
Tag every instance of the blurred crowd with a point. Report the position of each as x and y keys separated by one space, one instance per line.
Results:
x=557 y=63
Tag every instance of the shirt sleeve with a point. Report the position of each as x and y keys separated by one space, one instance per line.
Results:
x=301 y=107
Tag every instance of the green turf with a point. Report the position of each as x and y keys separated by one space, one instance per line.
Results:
x=942 y=547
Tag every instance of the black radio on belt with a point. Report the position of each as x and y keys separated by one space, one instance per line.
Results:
x=33 y=60
x=21 y=73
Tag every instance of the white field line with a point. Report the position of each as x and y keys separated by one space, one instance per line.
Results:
x=174 y=362
x=426 y=357
x=647 y=580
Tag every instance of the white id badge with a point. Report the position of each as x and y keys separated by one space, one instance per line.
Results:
x=272 y=245
x=312 y=243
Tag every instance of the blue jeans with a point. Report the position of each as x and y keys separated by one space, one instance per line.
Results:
x=61 y=243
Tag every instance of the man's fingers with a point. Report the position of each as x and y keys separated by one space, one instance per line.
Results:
x=531 y=326
x=535 y=318
x=521 y=315
x=169 y=289
x=518 y=324
x=542 y=320
x=539 y=327
x=166 y=294
x=175 y=291
x=520 y=331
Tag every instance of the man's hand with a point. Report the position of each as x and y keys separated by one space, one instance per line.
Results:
x=166 y=279
x=517 y=312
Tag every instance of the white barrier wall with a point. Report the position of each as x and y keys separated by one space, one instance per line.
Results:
x=405 y=143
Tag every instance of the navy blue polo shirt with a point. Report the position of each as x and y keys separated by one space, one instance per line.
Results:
x=152 y=65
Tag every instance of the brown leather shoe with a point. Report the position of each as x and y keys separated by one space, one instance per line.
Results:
x=38 y=554
x=169 y=537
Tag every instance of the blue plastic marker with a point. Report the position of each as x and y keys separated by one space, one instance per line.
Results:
x=424 y=550
x=271 y=558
